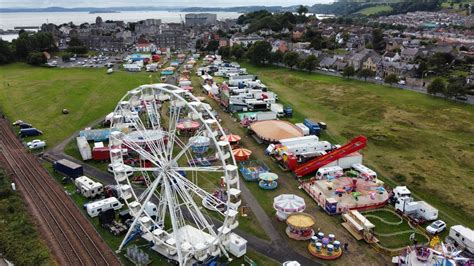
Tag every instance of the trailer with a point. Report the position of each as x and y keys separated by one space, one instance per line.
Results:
x=88 y=187
x=462 y=237
x=96 y=207
x=305 y=139
x=364 y=172
x=84 y=148
x=347 y=161
x=30 y=132
x=101 y=154
x=68 y=168
x=304 y=129
x=262 y=116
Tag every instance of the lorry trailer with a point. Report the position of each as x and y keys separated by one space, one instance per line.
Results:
x=68 y=168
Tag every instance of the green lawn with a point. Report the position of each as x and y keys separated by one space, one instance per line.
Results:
x=374 y=10
x=37 y=95
x=424 y=142
x=383 y=230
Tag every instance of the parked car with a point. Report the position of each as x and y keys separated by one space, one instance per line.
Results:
x=461 y=97
x=17 y=122
x=36 y=144
x=25 y=125
x=401 y=82
x=378 y=78
x=29 y=132
x=436 y=227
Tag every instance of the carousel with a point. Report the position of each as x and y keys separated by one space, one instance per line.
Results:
x=287 y=204
x=232 y=139
x=300 y=226
x=241 y=154
x=268 y=181
x=325 y=247
x=187 y=126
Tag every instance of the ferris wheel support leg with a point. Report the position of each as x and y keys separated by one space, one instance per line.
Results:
x=172 y=210
x=135 y=220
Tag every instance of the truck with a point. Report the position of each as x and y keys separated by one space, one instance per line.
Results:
x=277 y=109
x=314 y=128
x=288 y=111
x=419 y=211
x=462 y=237
x=88 y=187
x=68 y=168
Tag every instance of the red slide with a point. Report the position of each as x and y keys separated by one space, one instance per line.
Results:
x=313 y=165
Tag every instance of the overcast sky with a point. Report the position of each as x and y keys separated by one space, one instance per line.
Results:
x=181 y=3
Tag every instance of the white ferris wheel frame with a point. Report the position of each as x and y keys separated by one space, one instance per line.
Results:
x=168 y=165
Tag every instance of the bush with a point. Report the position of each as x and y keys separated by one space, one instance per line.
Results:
x=19 y=241
x=36 y=58
x=77 y=49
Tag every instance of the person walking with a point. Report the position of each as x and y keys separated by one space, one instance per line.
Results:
x=346 y=247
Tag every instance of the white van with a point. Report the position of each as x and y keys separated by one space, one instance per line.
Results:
x=96 y=207
x=365 y=172
x=463 y=237
x=333 y=171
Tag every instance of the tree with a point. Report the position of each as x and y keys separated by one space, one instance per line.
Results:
x=291 y=59
x=302 y=10
x=378 y=41
x=456 y=87
x=198 y=45
x=390 y=79
x=224 y=51
x=277 y=57
x=66 y=57
x=36 y=58
x=237 y=51
x=348 y=71
x=212 y=46
x=260 y=52
x=310 y=63
x=436 y=86
x=365 y=73
x=6 y=53
x=75 y=42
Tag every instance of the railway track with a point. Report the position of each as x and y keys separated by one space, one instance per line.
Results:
x=71 y=237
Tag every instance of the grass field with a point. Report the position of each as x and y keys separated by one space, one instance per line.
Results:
x=374 y=10
x=37 y=95
x=424 y=142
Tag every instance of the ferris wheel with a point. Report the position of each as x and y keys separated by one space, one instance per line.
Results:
x=167 y=139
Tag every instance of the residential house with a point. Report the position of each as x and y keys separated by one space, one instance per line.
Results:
x=245 y=40
x=327 y=62
x=391 y=57
x=279 y=45
x=409 y=54
x=339 y=65
x=372 y=62
x=357 y=59
x=400 y=69
x=224 y=42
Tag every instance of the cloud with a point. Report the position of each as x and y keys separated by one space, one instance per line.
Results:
x=182 y=3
